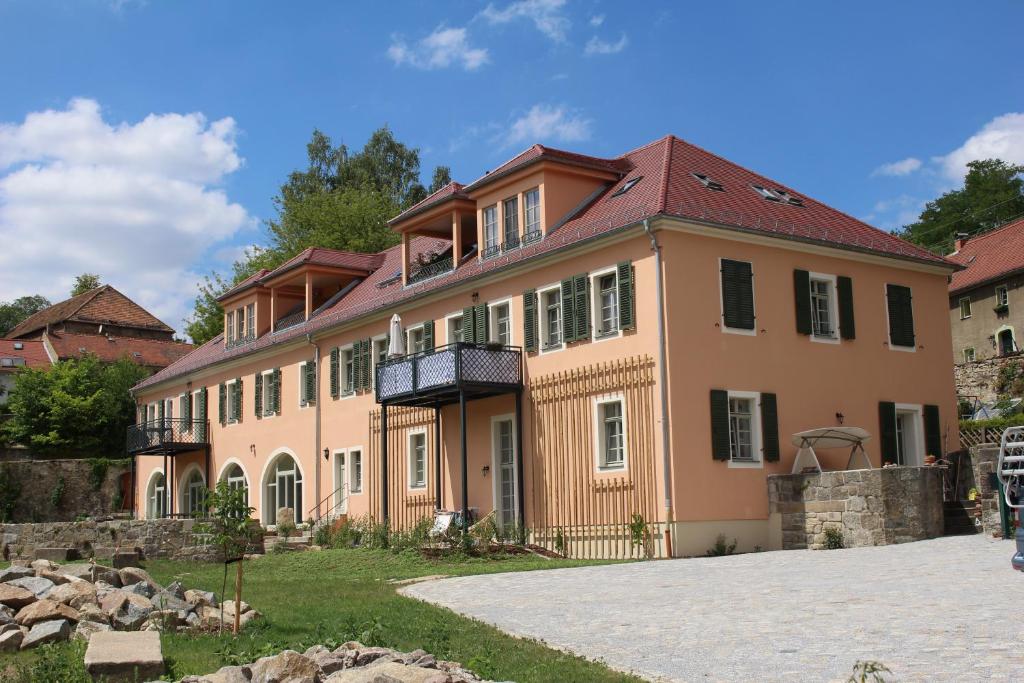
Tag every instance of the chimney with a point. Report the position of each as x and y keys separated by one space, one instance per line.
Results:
x=960 y=240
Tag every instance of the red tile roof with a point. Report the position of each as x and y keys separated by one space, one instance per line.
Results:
x=666 y=188
x=101 y=305
x=244 y=284
x=32 y=351
x=989 y=257
x=452 y=190
x=539 y=153
x=154 y=353
x=315 y=256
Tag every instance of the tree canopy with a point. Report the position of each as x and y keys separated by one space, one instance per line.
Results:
x=993 y=193
x=14 y=312
x=339 y=201
x=79 y=404
x=84 y=283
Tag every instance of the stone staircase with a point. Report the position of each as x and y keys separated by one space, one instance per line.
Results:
x=959 y=518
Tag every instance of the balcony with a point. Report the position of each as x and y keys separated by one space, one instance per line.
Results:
x=168 y=436
x=440 y=376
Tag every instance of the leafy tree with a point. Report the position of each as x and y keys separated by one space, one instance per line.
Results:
x=14 y=312
x=442 y=176
x=993 y=193
x=84 y=283
x=79 y=403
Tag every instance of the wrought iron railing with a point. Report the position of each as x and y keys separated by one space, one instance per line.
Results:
x=241 y=341
x=511 y=242
x=157 y=434
x=532 y=236
x=429 y=270
x=490 y=251
x=449 y=367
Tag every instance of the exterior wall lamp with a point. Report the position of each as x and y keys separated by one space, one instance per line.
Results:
x=840 y=417
x=327 y=454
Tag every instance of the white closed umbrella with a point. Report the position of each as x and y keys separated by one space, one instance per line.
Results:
x=396 y=347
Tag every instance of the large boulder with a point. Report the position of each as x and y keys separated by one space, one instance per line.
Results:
x=93 y=572
x=10 y=641
x=198 y=598
x=132 y=575
x=227 y=674
x=43 y=564
x=45 y=610
x=168 y=600
x=389 y=672
x=176 y=589
x=47 y=632
x=229 y=608
x=141 y=588
x=124 y=656
x=327 y=660
x=6 y=615
x=55 y=576
x=93 y=612
x=286 y=667
x=74 y=593
x=15 y=572
x=86 y=629
x=16 y=596
x=38 y=586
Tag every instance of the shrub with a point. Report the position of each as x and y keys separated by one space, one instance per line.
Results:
x=63 y=662
x=868 y=672
x=721 y=548
x=833 y=538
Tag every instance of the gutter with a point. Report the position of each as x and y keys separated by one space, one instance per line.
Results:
x=663 y=383
x=316 y=411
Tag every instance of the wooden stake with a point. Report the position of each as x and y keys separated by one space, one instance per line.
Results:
x=238 y=597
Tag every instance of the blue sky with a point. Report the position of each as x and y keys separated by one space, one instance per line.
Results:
x=156 y=133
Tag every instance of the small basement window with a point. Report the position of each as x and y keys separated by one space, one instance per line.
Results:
x=707 y=182
x=627 y=186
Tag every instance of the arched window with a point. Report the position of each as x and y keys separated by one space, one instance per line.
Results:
x=283 y=489
x=235 y=478
x=195 y=494
x=156 y=497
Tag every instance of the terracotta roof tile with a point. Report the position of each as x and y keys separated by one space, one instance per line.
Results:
x=989 y=257
x=666 y=187
x=154 y=353
x=452 y=190
x=32 y=351
x=101 y=305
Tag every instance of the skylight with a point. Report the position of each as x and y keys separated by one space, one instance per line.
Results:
x=777 y=195
x=627 y=186
x=766 y=193
x=707 y=182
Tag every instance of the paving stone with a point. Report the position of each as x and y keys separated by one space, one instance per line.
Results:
x=47 y=632
x=119 y=656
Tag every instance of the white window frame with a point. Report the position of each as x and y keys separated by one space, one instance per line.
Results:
x=351 y=470
x=302 y=382
x=721 y=299
x=240 y=323
x=184 y=492
x=888 y=328
x=343 y=372
x=833 y=308
x=919 y=445
x=492 y=327
x=373 y=356
x=1004 y=298
x=756 y=439
x=250 y=320
x=151 y=494
x=227 y=403
x=195 y=414
x=595 y=305
x=597 y=413
x=963 y=300
x=495 y=466
x=168 y=412
x=408 y=337
x=1013 y=338
x=542 y=318
x=449 y=321
x=504 y=219
x=526 y=213
x=267 y=398
x=229 y=326
x=413 y=486
x=497 y=229
x=973 y=354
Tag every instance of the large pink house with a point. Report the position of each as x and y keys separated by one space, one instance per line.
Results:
x=587 y=340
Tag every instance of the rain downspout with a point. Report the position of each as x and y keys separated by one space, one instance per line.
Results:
x=663 y=384
x=316 y=411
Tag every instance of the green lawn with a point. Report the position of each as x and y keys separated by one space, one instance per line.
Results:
x=338 y=595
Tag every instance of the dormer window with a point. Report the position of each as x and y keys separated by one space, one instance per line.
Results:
x=627 y=186
x=491 y=245
x=531 y=204
x=707 y=182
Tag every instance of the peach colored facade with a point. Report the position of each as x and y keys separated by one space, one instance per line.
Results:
x=568 y=488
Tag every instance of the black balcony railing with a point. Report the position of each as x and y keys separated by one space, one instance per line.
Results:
x=440 y=374
x=168 y=435
x=429 y=270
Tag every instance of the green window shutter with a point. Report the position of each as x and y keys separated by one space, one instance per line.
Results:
x=481 y=335
x=581 y=306
x=802 y=295
x=738 y=294
x=258 y=395
x=887 y=431
x=310 y=379
x=932 y=432
x=335 y=368
x=357 y=365
x=719 y=424
x=428 y=335
x=627 y=307
x=237 y=411
x=201 y=415
x=367 y=363
x=530 y=320
x=770 y=427
x=276 y=391
x=901 y=315
x=568 y=318
x=468 y=326
x=222 y=411
x=844 y=294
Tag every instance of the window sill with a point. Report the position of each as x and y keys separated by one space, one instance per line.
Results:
x=825 y=339
x=746 y=464
x=905 y=349
x=752 y=332
x=612 y=468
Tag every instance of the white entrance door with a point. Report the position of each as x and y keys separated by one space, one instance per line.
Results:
x=503 y=436
x=909 y=436
x=340 y=483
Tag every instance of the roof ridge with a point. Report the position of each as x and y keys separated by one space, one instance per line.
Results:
x=987 y=233
x=666 y=169
x=646 y=145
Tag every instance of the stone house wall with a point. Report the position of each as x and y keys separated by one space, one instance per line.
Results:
x=83 y=491
x=984 y=459
x=872 y=507
x=980 y=329
x=979 y=379
x=152 y=538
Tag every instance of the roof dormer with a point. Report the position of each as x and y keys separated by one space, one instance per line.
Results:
x=447 y=214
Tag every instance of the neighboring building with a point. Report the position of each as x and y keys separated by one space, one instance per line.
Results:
x=106 y=323
x=986 y=302
x=530 y=306
x=16 y=354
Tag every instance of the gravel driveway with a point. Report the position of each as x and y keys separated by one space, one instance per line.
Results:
x=948 y=609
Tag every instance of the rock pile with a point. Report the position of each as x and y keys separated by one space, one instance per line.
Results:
x=350 y=663
x=47 y=602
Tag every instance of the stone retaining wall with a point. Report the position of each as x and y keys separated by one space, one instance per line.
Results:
x=87 y=487
x=984 y=460
x=980 y=378
x=871 y=507
x=167 y=538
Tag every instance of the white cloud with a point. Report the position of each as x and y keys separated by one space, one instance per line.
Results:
x=137 y=203
x=596 y=20
x=1000 y=138
x=894 y=213
x=439 y=50
x=898 y=168
x=546 y=16
x=596 y=46
x=544 y=122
